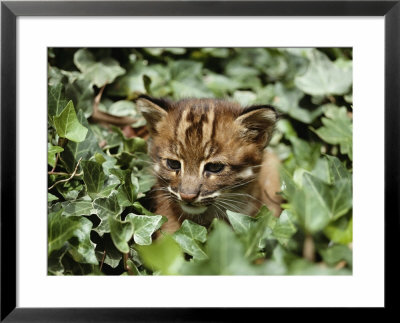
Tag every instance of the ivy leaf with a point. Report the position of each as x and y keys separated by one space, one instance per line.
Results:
x=337 y=201
x=74 y=151
x=164 y=256
x=56 y=101
x=189 y=237
x=128 y=190
x=119 y=173
x=54 y=76
x=133 y=81
x=216 y=52
x=147 y=83
x=306 y=154
x=60 y=230
x=68 y=126
x=82 y=249
x=220 y=84
x=225 y=255
x=144 y=226
x=130 y=145
x=51 y=197
x=184 y=69
x=324 y=77
x=240 y=223
x=337 y=170
x=141 y=209
x=288 y=186
x=337 y=129
x=99 y=73
x=135 y=144
x=190 y=88
x=123 y=108
x=109 y=186
x=93 y=176
x=318 y=203
x=160 y=51
x=225 y=251
x=254 y=238
x=246 y=75
x=284 y=228
x=340 y=231
x=71 y=190
x=306 y=207
x=287 y=100
x=81 y=92
x=121 y=232
x=132 y=269
x=51 y=153
x=332 y=255
x=245 y=98
x=104 y=207
x=253 y=231
x=54 y=263
x=112 y=255
x=348 y=98
x=146 y=180
x=322 y=171
x=186 y=79
x=77 y=208
x=73 y=232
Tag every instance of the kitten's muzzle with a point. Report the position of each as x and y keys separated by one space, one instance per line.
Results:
x=188 y=197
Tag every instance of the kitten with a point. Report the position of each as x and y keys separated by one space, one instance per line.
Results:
x=209 y=156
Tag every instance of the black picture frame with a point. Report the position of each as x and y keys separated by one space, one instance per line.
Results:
x=10 y=10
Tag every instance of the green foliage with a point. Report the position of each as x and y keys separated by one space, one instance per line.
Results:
x=100 y=178
x=103 y=207
x=93 y=177
x=74 y=232
x=51 y=153
x=190 y=237
x=337 y=129
x=68 y=126
x=225 y=255
x=100 y=72
x=121 y=232
x=163 y=257
x=144 y=226
x=325 y=77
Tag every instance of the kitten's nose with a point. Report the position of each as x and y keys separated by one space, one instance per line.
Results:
x=188 y=197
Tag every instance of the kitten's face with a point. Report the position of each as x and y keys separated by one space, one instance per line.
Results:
x=205 y=149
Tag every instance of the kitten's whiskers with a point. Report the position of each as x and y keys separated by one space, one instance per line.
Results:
x=241 y=183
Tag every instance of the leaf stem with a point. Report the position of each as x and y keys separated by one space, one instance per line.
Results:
x=55 y=164
x=69 y=178
x=126 y=266
x=309 y=248
x=125 y=260
x=61 y=143
x=64 y=174
x=97 y=99
x=341 y=264
x=102 y=260
x=103 y=117
x=332 y=99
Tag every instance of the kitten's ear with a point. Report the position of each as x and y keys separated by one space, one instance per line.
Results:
x=259 y=123
x=153 y=110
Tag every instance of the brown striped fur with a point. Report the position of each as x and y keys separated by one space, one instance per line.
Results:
x=200 y=132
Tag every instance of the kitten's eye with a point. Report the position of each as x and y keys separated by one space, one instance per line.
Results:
x=214 y=167
x=173 y=164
